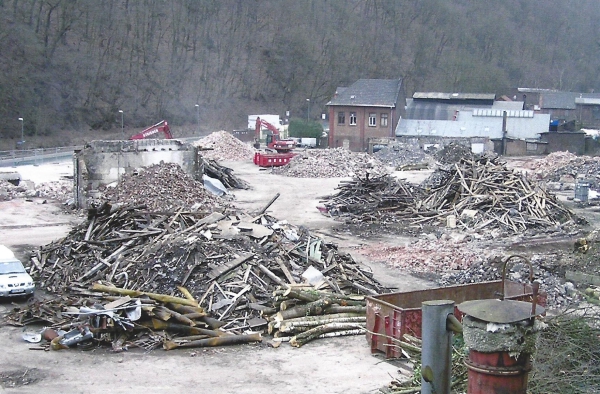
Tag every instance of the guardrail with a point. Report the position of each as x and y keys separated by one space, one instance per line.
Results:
x=21 y=157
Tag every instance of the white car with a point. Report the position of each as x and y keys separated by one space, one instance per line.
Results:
x=14 y=280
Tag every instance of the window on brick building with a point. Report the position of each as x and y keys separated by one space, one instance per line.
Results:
x=372 y=119
x=341 y=118
x=384 y=120
x=352 y=118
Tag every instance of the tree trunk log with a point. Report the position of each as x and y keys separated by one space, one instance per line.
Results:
x=314 y=333
x=212 y=342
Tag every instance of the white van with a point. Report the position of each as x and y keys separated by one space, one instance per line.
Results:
x=14 y=280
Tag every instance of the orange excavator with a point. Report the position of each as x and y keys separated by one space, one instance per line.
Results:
x=273 y=139
x=160 y=127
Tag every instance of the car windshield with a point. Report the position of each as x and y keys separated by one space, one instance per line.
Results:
x=11 y=268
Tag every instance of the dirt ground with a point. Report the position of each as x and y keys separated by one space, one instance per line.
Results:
x=338 y=365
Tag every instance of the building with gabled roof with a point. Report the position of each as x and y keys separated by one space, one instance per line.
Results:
x=367 y=109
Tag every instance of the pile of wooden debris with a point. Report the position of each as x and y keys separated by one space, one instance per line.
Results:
x=478 y=193
x=191 y=271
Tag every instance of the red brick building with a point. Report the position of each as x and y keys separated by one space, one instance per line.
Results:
x=369 y=108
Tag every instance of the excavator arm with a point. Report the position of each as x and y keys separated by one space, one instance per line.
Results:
x=160 y=127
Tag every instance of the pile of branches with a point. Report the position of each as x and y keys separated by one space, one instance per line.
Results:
x=370 y=198
x=228 y=262
x=483 y=192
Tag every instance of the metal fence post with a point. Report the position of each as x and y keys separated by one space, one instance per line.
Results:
x=436 y=356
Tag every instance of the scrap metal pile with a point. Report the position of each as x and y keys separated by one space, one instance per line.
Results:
x=330 y=163
x=480 y=193
x=134 y=276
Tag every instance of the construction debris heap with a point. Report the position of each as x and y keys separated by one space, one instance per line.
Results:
x=330 y=163
x=221 y=145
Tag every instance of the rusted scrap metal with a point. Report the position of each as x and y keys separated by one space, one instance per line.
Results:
x=231 y=265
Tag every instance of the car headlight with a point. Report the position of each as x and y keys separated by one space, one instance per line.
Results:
x=2 y=286
x=29 y=283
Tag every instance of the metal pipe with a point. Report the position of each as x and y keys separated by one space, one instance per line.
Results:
x=436 y=356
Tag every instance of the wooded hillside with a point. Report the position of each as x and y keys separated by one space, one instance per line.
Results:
x=72 y=64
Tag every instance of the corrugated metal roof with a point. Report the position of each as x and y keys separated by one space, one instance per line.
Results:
x=369 y=93
x=454 y=96
x=430 y=110
x=559 y=100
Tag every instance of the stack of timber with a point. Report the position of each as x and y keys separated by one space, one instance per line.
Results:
x=483 y=193
x=226 y=264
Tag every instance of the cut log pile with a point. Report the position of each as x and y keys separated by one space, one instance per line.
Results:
x=330 y=163
x=224 y=174
x=200 y=269
x=480 y=192
x=221 y=145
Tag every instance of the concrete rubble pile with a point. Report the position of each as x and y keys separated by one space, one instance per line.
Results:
x=221 y=145
x=404 y=155
x=558 y=292
x=160 y=187
x=452 y=153
x=214 y=276
x=330 y=163
x=565 y=167
x=58 y=190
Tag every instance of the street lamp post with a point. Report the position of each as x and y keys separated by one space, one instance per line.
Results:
x=22 y=137
x=122 y=129
x=198 y=118
x=308 y=111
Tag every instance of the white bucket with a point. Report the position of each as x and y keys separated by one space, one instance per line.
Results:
x=451 y=221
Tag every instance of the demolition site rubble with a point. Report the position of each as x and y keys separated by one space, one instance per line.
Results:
x=330 y=163
x=221 y=145
x=404 y=155
x=172 y=265
x=474 y=194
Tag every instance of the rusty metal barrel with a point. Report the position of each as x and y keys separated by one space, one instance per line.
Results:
x=501 y=337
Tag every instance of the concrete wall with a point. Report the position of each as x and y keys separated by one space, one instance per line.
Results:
x=104 y=162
